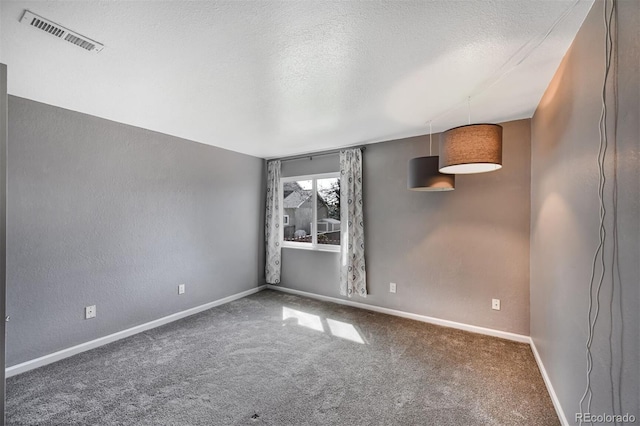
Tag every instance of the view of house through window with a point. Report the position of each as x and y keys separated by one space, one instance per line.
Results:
x=298 y=207
x=311 y=211
x=328 y=218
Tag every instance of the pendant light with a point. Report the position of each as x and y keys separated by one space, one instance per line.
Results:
x=474 y=148
x=424 y=174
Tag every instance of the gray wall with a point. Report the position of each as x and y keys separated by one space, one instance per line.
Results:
x=3 y=224
x=564 y=222
x=311 y=165
x=449 y=253
x=108 y=214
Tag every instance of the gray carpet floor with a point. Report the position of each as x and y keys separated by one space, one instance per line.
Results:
x=278 y=359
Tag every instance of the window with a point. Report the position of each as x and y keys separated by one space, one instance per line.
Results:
x=311 y=212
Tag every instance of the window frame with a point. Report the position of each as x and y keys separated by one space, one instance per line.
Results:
x=314 y=223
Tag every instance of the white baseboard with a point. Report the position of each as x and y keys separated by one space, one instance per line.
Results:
x=431 y=320
x=547 y=382
x=65 y=353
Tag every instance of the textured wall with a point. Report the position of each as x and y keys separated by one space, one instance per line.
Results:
x=565 y=217
x=3 y=224
x=107 y=214
x=311 y=165
x=449 y=253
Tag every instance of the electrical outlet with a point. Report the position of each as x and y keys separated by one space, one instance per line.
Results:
x=392 y=287
x=181 y=289
x=90 y=312
x=495 y=304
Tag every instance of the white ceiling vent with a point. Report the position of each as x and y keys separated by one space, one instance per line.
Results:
x=60 y=32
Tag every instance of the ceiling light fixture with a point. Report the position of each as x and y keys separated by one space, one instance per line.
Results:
x=425 y=176
x=474 y=148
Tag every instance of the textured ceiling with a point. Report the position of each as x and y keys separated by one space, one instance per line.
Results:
x=274 y=78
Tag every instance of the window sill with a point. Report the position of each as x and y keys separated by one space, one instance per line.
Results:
x=330 y=249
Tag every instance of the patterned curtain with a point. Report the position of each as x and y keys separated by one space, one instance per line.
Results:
x=272 y=224
x=353 y=277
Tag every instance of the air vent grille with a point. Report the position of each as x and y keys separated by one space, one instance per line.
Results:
x=79 y=42
x=51 y=29
x=60 y=32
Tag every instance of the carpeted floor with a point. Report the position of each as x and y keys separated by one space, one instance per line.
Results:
x=278 y=359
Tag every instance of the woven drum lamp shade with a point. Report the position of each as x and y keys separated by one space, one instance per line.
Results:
x=424 y=176
x=475 y=148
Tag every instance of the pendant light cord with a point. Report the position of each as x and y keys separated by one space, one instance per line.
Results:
x=430 y=138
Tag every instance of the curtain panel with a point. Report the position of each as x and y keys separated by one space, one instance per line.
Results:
x=273 y=224
x=353 y=277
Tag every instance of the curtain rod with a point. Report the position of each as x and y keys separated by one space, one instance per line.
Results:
x=317 y=154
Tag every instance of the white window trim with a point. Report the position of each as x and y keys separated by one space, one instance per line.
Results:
x=314 y=235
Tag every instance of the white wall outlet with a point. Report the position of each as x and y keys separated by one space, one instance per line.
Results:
x=90 y=312
x=495 y=304
x=181 y=289
x=392 y=287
